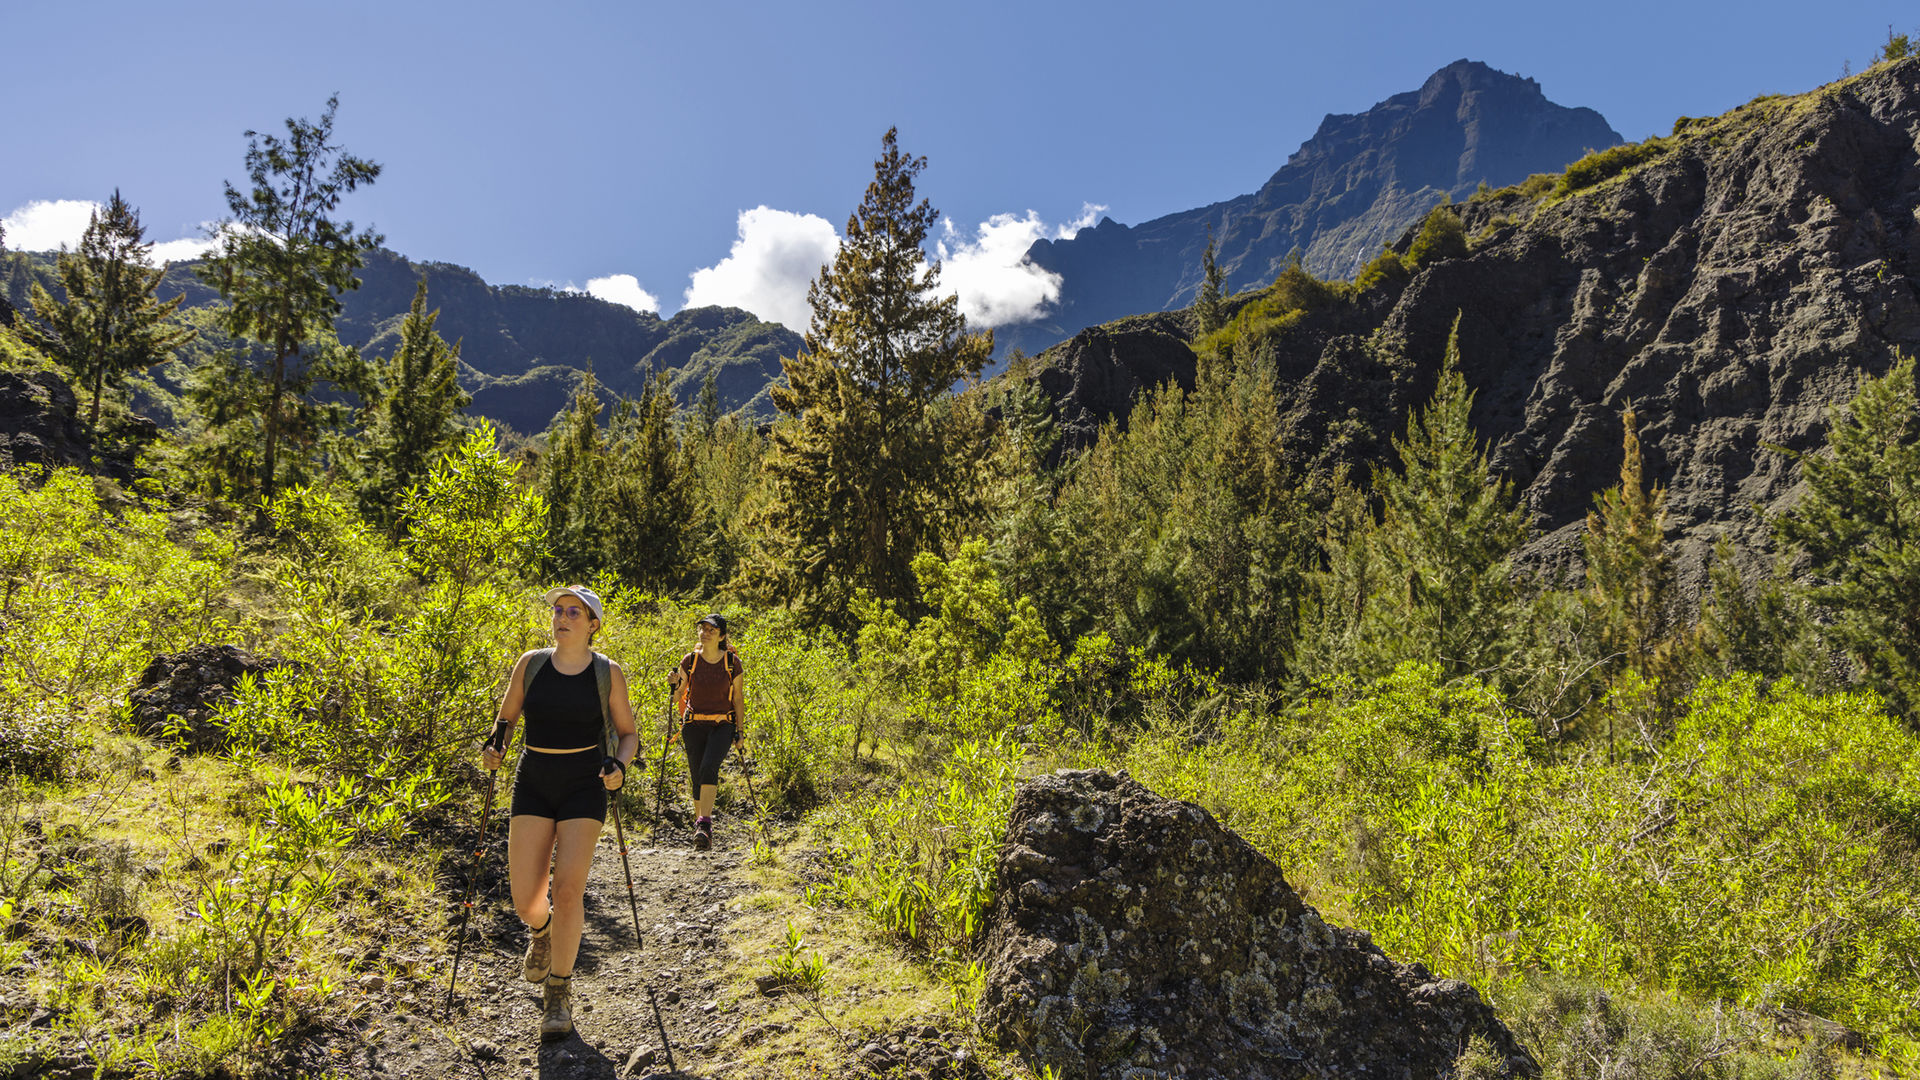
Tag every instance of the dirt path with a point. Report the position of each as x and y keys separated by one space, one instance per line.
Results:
x=493 y=1033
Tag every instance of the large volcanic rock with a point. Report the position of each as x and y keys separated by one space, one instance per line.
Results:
x=39 y=421
x=1105 y=369
x=1134 y=936
x=188 y=688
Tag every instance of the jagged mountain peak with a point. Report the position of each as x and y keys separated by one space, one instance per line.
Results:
x=1732 y=281
x=1358 y=183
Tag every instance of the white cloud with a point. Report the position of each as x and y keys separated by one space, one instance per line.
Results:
x=991 y=275
x=623 y=289
x=1089 y=217
x=191 y=247
x=778 y=253
x=45 y=225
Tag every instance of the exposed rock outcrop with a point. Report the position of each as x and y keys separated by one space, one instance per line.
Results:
x=39 y=421
x=191 y=686
x=1358 y=183
x=1101 y=372
x=1133 y=936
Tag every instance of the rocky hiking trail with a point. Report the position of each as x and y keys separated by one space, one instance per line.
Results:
x=493 y=1032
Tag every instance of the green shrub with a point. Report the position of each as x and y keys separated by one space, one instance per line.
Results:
x=1602 y=165
x=34 y=744
x=1387 y=268
x=919 y=863
x=1441 y=236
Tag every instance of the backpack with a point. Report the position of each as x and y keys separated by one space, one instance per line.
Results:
x=602 y=676
x=682 y=704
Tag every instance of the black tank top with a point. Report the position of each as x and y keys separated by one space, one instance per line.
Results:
x=563 y=711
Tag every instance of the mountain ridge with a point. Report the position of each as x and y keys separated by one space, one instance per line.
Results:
x=1732 y=281
x=1359 y=182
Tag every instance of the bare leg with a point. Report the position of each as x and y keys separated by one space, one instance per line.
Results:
x=703 y=806
x=529 y=851
x=573 y=857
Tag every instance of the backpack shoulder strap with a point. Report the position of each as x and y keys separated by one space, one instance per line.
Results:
x=603 y=677
x=536 y=660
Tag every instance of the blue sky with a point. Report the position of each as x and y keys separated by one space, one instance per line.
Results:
x=647 y=149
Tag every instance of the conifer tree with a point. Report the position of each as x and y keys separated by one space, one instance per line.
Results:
x=875 y=463
x=1209 y=308
x=108 y=324
x=1629 y=576
x=283 y=261
x=650 y=499
x=413 y=416
x=706 y=414
x=1441 y=557
x=573 y=477
x=1860 y=524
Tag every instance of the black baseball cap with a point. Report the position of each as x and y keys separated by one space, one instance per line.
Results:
x=715 y=620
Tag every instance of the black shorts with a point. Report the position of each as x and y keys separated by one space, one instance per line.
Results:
x=707 y=746
x=561 y=786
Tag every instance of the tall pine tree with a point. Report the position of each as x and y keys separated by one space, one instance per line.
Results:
x=108 y=324
x=876 y=462
x=1209 y=308
x=1436 y=571
x=413 y=417
x=1860 y=524
x=1448 y=532
x=1629 y=577
x=283 y=261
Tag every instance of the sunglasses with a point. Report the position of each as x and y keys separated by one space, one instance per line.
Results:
x=568 y=611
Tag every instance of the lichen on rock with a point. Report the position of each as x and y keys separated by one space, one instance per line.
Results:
x=1144 y=938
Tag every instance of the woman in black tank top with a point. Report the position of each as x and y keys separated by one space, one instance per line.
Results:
x=560 y=789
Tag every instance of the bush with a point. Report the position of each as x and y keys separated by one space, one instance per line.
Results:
x=1442 y=236
x=1602 y=165
x=920 y=863
x=34 y=744
x=1387 y=268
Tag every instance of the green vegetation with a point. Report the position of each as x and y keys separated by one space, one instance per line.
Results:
x=1650 y=844
x=107 y=323
x=281 y=265
x=1603 y=165
x=877 y=464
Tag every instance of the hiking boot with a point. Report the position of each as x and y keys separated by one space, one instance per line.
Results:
x=540 y=952
x=703 y=834
x=556 y=1007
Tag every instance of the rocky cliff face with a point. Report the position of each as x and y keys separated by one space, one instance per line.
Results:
x=1358 y=183
x=1132 y=935
x=1733 y=285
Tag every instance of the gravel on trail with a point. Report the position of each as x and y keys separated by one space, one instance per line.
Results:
x=403 y=1029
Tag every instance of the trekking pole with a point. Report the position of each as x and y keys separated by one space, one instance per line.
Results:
x=660 y=782
x=633 y=901
x=759 y=809
x=473 y=883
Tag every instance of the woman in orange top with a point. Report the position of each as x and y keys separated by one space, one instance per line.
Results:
x=713 y=714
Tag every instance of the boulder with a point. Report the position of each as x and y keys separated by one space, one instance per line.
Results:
x=191 y=686
x=39 y=421
x=1132 y=935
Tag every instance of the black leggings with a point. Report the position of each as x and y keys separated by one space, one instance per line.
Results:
x=707 y=746
x=561 y=786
